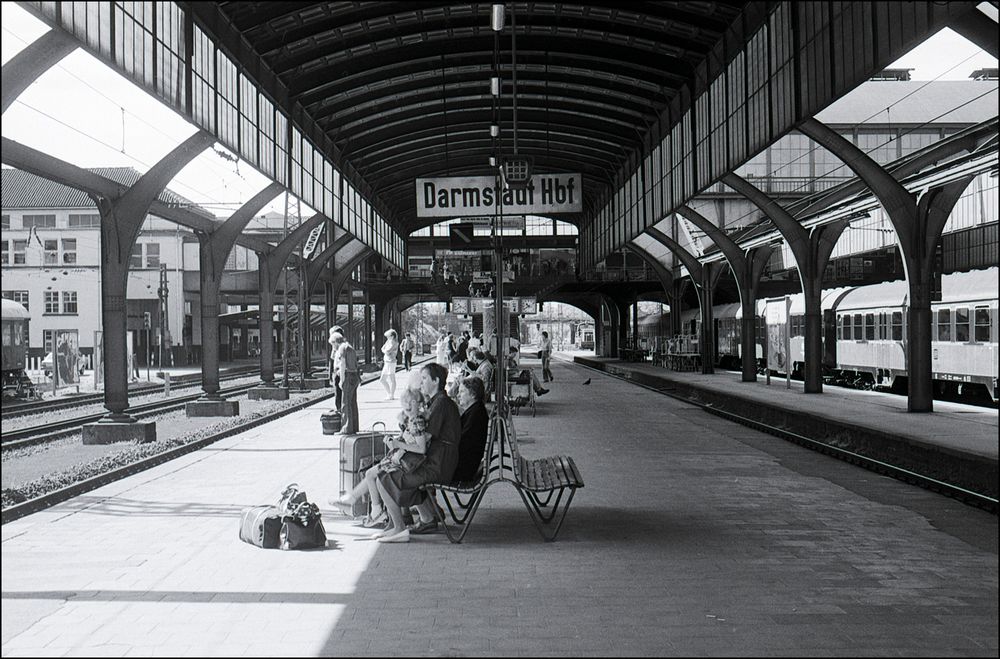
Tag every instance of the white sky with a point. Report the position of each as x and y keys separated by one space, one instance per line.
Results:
x=85 y=113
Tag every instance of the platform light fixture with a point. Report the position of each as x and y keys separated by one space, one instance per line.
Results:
x=493 y=161
x=496 y=18
x=494 y=130
x=495 y=85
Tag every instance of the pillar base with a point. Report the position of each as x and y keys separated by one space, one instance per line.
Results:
x=213 y=408
x=315 y=383
x=104 y=432
x=268 y=393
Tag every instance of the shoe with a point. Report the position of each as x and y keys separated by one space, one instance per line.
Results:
x=401 y=536
x=381 y=533
x=542 y=392
x=373 y=521
x=423 y=528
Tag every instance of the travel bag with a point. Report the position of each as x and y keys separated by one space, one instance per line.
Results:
x=357 y=454
x=261 y=526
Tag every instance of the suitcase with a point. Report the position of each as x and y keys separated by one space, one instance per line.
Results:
x=357 y=454
x=261 y=526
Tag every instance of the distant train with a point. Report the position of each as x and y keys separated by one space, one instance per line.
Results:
x=14 y=320
x=864 y=334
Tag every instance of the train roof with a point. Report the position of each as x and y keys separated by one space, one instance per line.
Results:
x=972 y=286
x=13 y=311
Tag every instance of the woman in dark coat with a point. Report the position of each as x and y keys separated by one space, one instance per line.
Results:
x=399 y=489
x=475 y=422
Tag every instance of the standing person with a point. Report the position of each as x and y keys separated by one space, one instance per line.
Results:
x=407 y=348
x=444 y=424
x=390 y=350
x=334 y=371
x=546 y=351
x=350 y=379
x=442 y=348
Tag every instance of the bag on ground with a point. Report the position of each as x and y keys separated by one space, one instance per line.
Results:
x=303 y=529
x=261 y=526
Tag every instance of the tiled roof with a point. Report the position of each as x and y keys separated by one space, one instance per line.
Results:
x=915 y=102
x=22 y=189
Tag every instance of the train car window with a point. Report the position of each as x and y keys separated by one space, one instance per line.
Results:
x=897 y=325
x=859 y=326
x=983 y=324
x=962 y=324
x=944 y=325
x=870 y=326
x=840 y=327
x=8 y=336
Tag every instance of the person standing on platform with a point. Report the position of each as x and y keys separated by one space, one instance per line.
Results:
x=390 y=349
x=347 y=365
x=334 y=372
x=546 y=353
x=407 y=348
x=442 y=348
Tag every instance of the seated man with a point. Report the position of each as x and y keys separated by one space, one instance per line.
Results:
x=523 y=374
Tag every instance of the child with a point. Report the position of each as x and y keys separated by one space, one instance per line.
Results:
x=407 y=454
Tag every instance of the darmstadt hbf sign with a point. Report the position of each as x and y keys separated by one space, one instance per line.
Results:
x=477 y=195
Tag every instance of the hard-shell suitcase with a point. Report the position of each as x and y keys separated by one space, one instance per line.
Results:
x=357 y=454
x=261 y=526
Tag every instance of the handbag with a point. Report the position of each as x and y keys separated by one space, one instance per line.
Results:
x=303 y=528
x=290 y=499
x=540 y=353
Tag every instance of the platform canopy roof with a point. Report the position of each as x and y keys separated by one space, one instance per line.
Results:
x=403 y=88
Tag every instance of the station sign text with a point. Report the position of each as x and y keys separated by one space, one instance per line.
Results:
x=477 y=195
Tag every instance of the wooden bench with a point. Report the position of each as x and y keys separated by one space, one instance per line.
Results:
x=550 y=476
x=533 y=478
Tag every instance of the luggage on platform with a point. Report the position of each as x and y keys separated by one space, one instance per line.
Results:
x=357 y=454
x=261 y=526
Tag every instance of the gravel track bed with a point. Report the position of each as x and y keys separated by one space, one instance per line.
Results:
x=28 y=420
x=35 y=470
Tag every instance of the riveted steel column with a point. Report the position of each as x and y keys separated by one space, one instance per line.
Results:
x=266 y=320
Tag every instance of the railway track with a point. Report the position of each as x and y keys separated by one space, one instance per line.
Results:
x=15 y=409
x=879 y=466
x=47 y=432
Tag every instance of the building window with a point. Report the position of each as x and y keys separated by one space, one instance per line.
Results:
x=152 y=255
x=89 y=220
x=982 y=324
x=21 y=297
x=20 y=249
x=69 y=302
x=135 y=261
x=47 y=336
x=51 y=302
x=38 y=221
x=5 y=222
x=50 y=252
x=4 y=252
x=69 y=251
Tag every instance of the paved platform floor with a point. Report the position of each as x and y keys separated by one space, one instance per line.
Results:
x=692 y=537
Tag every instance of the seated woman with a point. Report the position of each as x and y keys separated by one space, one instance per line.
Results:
x=407 y=453
x=399 y=489
x=475 y=421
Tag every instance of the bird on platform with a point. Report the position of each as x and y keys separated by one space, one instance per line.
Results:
x=587 y=381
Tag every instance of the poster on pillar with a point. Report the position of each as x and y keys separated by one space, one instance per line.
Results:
x=776 y=319
x=66 y=358
x=98 y=359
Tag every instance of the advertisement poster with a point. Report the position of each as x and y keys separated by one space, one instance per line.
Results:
x=776 y=314
x=67 y=358
x=98 y=359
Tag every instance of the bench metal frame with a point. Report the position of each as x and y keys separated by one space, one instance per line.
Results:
x=503 y=463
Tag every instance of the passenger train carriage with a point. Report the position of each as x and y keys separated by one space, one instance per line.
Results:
x=14 y=320
x=864 y=333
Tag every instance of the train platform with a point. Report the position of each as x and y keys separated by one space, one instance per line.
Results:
x=694 y=536
x=956 y=443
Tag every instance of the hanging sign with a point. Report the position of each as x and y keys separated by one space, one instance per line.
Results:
x=312 y=241
x=461 y=196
